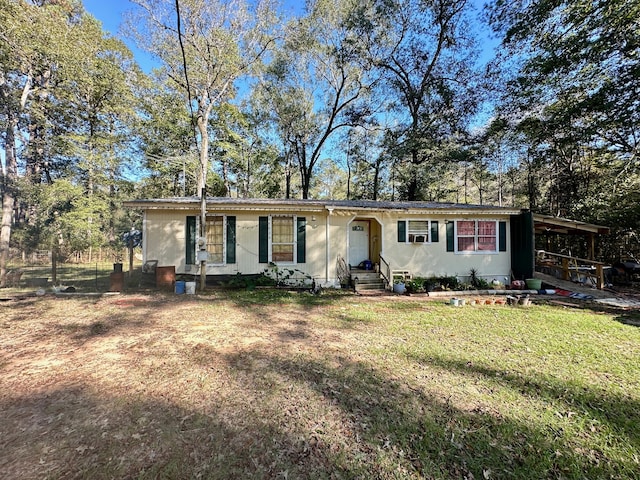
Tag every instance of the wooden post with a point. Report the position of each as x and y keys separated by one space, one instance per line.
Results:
x=130 y=245
x=565 y=269
x=599 y=276
x=54 y=266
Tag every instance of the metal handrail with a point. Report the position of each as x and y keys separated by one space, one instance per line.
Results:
x=385 y=267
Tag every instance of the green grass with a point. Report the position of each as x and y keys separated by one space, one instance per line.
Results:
x=273 y=384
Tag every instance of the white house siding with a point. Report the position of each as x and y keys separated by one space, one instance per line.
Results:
x=165 y=239
x=432 y=259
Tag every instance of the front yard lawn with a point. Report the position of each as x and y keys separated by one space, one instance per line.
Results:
x=272 y=384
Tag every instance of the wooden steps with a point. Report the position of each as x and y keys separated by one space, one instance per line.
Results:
x=367 y=280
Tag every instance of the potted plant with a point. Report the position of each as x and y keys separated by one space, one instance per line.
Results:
x=399 y=286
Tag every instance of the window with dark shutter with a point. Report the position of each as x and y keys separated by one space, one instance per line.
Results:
x=502 y=236
x=231 y=239
x=263 y=239
x=435 y=236
x=190 y=243
x=302 y=239
x=402 y=231
x=450 y=237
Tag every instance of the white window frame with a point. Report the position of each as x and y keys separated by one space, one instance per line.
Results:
x=294 y=243
x=426 y=233
x=224 y=239
x=476 y=236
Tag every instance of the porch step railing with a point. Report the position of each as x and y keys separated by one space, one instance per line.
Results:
x=385 y=273
x=571 y=268
x=389 y=275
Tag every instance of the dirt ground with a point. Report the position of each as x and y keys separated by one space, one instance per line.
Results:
x=125 y=386
x=157 y=386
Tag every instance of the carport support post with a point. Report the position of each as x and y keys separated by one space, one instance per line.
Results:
x=203 y=235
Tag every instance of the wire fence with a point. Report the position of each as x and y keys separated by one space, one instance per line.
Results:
x=87 y=277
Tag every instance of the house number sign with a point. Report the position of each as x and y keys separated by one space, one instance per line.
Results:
x=357 y=228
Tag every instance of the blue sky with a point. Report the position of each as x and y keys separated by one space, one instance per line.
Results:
x=110 y=13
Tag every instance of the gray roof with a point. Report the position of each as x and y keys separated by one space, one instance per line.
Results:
x=309 y=203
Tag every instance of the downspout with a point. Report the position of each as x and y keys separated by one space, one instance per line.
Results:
x=327 y=243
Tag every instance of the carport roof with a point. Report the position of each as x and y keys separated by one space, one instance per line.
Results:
x=548 y=224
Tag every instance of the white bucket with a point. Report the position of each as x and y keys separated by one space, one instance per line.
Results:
x=190 y=288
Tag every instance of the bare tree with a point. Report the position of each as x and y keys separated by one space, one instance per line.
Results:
x=205 y=47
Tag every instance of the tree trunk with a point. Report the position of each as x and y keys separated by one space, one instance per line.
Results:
x=204 y=151
x=287 y=172
x=9 y=177
x=412 y=185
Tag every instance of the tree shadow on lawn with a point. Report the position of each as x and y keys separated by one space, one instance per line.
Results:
x=95 y=320
x=292 y=310
x=626 y=315
x=620 y=413
x=355 y=422
x=630 y=317
x=400 y=432
x=75 y=433
x=285 y=297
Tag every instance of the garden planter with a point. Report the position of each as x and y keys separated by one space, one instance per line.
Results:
x=534 y=283
x=399 y=288
x=525 y=301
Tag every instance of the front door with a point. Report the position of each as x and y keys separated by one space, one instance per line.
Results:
x=358 y=242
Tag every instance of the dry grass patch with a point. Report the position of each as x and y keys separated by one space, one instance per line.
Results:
x=279 y=385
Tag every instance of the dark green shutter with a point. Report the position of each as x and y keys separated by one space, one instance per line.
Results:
x=402 y=231
x=263 y=240
x=502 y=236
x=435 y=235
x=190 y=252
x=231 y=239
x=521 y=245
x=450 y=237
x=302 y=239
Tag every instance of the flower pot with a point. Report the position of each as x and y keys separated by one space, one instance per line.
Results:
x=399 y=288
x=533 y=283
